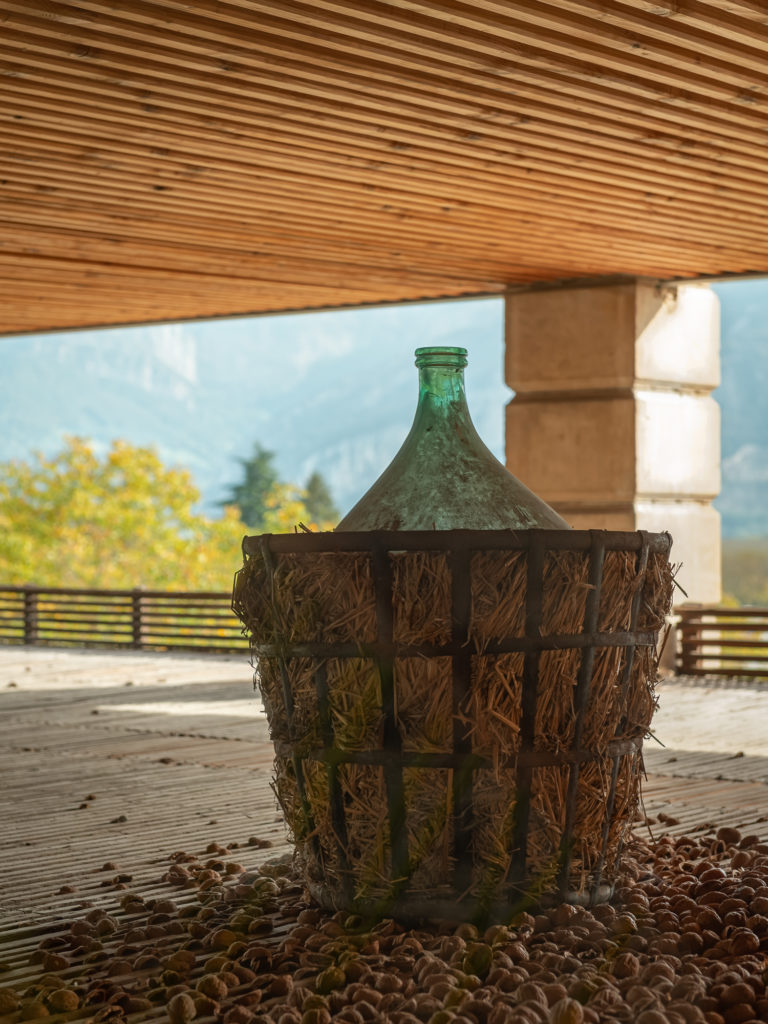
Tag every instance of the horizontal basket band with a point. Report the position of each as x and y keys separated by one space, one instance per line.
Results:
x=456 y=540
x=417 y=909
x=414 y=759
x=523 y=644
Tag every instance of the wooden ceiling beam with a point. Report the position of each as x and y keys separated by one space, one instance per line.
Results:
x=370 y=246
x=448 y=31
x=651 y=164
x=194 y=99
x=241 y=155
x=101 y=50
x=577 y=248
x=406 y=220
x=232 y=190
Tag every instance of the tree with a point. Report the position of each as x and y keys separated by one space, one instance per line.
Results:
x=270 y=505
x=252 y=495
x=116 y=521
x=319 y=502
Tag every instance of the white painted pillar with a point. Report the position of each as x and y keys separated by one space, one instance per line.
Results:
x=613 y=422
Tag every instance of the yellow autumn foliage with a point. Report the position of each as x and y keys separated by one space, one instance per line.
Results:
x=119 y=520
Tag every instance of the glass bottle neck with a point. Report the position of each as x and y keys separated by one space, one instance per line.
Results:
x=442 y=400
x=441 y=386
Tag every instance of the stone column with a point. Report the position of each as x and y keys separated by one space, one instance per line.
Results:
x=613 y=422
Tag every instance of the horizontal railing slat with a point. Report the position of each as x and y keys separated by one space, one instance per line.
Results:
x=728 y=641
x=694 y=628
x=739 y=659
x=744 y=612
x=723 y=611
x=96 y=592
x=151 y=615
x=95 y=629
x=228 y=648
x=70 y=615
x=204 y=634
x=77 y=601
x=745 y=643
x=89 y=641
x=746 y=674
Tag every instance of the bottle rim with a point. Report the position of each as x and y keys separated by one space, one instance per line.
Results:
x=441 y=355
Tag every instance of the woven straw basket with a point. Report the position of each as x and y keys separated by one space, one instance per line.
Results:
x=457 y=716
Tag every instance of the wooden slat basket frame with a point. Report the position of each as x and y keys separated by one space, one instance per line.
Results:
x=460 y=547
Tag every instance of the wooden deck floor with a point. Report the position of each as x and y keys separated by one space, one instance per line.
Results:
x=124 y=759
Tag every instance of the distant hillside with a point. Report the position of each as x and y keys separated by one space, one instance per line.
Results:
x=334 y=392
x=743 y=398
x=745 y=570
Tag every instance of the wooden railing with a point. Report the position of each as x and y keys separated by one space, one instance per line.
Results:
x=722 y=641
x=710 y=640
x=139 y=619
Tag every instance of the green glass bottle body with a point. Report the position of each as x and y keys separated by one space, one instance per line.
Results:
x=444 y=477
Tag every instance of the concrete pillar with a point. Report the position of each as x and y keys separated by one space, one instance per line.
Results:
x=613 y=422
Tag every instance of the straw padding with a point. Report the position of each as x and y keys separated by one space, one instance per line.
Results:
x=555 y=710
x=429 y=825
x=626 y=802
x=657 y=593
x=285 y=786
x=423 y=708
x=368 y=842
x=498 y=596
x=640 y=701
x=579 y=795
x=621 y=580
x=492 y=708
x=322 y=845
x=300 y=680
x=546 y=823
x=421 y=597
x=269 y=682
x=495 y=802
x=593 y=796
x=326 y=596
x=604 y=710
x=565 y=587
x=354 y=700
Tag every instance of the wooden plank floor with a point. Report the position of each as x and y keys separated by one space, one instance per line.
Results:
x=125 y=759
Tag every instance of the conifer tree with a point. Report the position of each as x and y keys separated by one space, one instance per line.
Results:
x=319 y=501
x=251 y=495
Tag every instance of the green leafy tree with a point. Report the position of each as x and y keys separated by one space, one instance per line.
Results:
x=319 y=502
x=254 y=495
x=116 y=521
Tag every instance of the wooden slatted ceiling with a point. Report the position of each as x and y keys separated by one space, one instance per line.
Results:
x=162 y=159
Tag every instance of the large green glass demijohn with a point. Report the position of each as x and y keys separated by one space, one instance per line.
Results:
x=444 y=477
